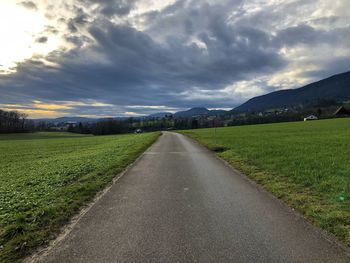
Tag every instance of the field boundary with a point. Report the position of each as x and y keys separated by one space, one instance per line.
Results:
x=66 y=229
x=330 y=237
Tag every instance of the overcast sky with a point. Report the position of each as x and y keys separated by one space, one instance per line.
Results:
x=130 y=57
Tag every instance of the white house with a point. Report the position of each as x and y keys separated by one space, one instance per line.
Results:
x=311 y=118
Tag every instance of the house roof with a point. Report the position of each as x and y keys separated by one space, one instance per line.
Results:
x=311 y=117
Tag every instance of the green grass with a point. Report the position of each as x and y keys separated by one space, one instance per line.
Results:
x=40 y=135
x=46 y=177
x=307 y=164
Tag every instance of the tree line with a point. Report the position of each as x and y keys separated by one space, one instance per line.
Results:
x=121 y=126
x=13 y=122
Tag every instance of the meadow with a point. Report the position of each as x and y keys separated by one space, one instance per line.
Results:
x=46 y=177
x=306 y=164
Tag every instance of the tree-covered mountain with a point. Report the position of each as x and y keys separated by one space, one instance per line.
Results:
x=335 y=88
x=192 y=112
x=199 y=111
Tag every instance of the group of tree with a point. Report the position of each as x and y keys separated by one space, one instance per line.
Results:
x=103 y=127
x=120 y=126
x=13 y=121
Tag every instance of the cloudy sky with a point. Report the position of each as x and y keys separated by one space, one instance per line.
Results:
x=130 y=57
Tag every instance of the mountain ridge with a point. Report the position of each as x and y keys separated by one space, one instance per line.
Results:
x=336 y=87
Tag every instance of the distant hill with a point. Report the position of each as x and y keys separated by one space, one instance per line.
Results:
x=192 y=112
x=335 y=88
x=199 y=111
x=160 y=115
x=67 y=119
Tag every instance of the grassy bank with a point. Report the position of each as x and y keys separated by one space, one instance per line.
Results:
x=46 y=177
x=304 y=163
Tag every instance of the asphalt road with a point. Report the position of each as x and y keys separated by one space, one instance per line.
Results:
x=179 y=203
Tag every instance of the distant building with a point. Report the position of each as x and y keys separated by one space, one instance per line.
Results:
x=341 y=112
x=311 y=118
x=72 y=123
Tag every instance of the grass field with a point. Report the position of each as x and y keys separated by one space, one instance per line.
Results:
x=307 y=164
x=46 y=177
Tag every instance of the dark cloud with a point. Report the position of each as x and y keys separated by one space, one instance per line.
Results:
x=42 y=40
x=51 y=30
x=29 y=5
x=298 y=34
x=112 y=7
x=79 y=20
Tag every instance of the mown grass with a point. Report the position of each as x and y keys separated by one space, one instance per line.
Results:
x=307 y=164
x=46 y=177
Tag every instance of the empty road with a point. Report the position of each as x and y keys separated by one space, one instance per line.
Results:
x=179 y=203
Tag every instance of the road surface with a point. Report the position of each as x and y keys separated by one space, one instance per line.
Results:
x=179 y=203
